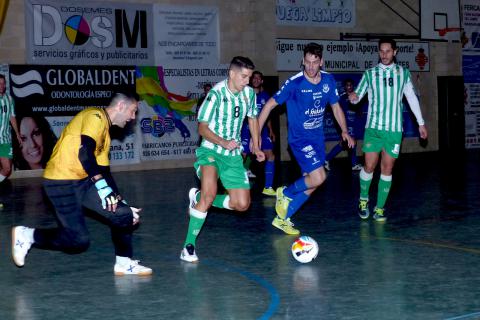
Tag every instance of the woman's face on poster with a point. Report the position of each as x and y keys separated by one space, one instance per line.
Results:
x=32 y=142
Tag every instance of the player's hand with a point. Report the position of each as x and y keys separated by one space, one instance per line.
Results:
x=259 y=154
x=423 y=132
x=230 y=145
x=352 y=97
x=107 y=196
x=348 y=139
x=136 y=216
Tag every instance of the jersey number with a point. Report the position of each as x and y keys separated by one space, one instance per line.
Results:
x=390 y=82
x=236 y=112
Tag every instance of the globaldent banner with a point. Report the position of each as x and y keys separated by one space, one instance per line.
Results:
x=319 y=13
x=351 y=56
x=88 y=33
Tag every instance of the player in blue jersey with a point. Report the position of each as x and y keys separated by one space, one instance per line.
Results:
x=268 y=137
x=353 y=123
x=306 y=94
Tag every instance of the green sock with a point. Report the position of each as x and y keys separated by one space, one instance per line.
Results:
x=197 y=219
x=221 y=201
x=247 y=162
x=383 y=189
x=365 y=180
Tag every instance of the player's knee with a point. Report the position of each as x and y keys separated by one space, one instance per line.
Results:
x=318 y=178
x=79 y=244
x=122 y=218
x=240 y=204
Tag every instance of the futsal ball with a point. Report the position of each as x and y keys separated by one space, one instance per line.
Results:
x=304 y=249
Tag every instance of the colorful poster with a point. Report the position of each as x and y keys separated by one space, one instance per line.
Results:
x=166 y=116
x=316 y=13
x=351 y=56
x=88 y=33
x=186 y=36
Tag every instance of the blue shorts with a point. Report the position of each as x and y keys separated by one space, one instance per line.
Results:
x=267 y=143
x=310 y=155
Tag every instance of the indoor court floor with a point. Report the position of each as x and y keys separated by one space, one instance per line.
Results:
x=423 y=263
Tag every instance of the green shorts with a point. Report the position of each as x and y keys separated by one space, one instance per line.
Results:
x=6 y=150
x=230 y=169
x=376 y=140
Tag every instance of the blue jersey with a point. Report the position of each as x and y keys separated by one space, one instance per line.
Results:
x=306 y=103
x=262 y=98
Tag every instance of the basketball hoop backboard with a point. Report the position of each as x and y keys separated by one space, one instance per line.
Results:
x=440 y=20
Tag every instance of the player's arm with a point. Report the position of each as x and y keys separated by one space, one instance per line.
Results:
x=209 y=135
x=86 y=155
x=340 y=118
x=415 y=107
x=255 y=134
x=267 y=108
x=360 y=91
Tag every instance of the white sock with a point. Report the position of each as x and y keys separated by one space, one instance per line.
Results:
x=122 y=260
x=226 y=202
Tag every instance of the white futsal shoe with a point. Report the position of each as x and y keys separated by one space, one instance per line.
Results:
x=127 y=266
x=188 y=254
x=22 y=240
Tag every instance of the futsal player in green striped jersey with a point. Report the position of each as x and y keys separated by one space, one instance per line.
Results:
x=7 y=118
x=386 y=85
x=220 y=120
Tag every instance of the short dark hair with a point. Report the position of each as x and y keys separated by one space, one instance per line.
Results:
x=257 y=72
x=314 y=49
x=2 y=76
x=241 y=62
x=348 y=80
x=392 y=42
x=129 y=96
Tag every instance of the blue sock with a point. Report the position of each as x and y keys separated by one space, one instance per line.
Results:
x=296 y=187
x=333 y=153
x=296 y=203
x=269 y=171
x=353 y=155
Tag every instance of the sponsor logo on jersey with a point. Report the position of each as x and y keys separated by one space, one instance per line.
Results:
x=326 y=88
x=313 y=123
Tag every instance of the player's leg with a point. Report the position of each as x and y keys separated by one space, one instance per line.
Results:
x=198 y=210
x=234 y=178
x=384 y=185
x=392 y=142
x=70 y=236
x=267 y=148
x=372 y=146
x=121 y=223
x=332 y=154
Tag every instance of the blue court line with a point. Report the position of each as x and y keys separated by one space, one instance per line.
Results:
x=465 y=316
x=274 y=296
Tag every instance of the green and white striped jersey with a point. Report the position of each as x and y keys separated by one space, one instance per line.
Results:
x=224 y=112
x=7 y=110
x=385 y=86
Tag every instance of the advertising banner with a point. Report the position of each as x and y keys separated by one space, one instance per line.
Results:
x=318 y=13
x=351 y=56
x=88 y=32
x=471 y=26
x=47 y=97
x=166 y=117
x=186 y=36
